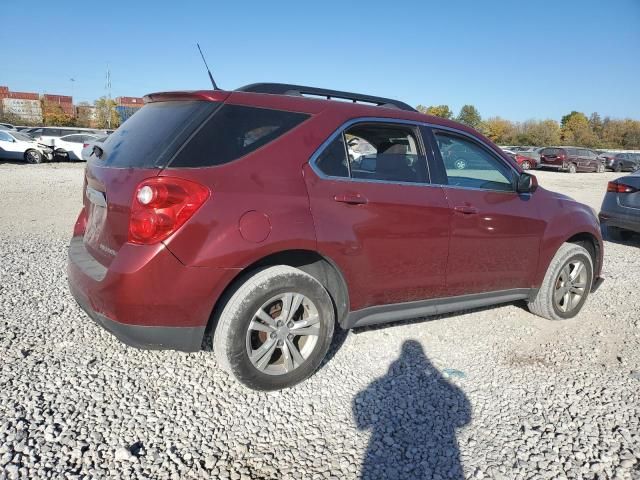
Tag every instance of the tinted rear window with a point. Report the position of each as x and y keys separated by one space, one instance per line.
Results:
x=233 y=132
x=551 y=151
x=151 y=137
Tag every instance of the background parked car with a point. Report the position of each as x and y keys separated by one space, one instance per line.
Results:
x=620 y=211
x=525 y=162
x=87 y=147
x=6 y=126
x=47 y=135
x=571 y=159
x=18 y=146
x=70 y=146
x=620 y=162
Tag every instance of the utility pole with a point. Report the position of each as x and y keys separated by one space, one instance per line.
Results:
x=108 y=88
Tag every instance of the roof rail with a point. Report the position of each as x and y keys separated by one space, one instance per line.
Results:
x=300 y=90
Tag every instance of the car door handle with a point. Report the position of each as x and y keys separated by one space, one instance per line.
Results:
x=350 y=198
x=466 y=209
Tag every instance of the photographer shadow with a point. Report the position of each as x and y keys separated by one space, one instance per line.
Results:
x=413 y=413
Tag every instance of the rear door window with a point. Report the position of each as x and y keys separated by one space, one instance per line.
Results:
x=152 y=136
x=550 y=151
x=385 y=153
x=233 y=132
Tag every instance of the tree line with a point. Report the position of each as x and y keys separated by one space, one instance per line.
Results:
x=575 y=128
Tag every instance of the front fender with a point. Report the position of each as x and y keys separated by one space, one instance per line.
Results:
x=572 y=221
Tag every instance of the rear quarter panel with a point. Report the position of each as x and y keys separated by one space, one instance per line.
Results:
x=269 y=182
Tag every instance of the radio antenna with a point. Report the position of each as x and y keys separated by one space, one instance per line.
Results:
x=213 y=82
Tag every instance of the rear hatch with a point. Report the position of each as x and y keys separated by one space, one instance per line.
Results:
x=139 y=149
x=552 y=156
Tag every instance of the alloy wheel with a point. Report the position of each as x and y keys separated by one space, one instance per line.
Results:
x=570 y=286
x=283 y=333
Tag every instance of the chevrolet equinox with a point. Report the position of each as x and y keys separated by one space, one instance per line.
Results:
x=271 y=214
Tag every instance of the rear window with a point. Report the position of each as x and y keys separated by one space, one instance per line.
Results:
x=551 y=151
x=152 y=136
x=233 y=132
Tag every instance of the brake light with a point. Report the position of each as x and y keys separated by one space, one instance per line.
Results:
x=85 y=145
x=161 y=205
x=620 y=188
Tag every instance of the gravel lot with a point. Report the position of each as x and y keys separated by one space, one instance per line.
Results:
x=493 y=393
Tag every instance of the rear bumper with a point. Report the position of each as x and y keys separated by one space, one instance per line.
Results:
x=185 y=339
x=620 y=220
x=146 y=297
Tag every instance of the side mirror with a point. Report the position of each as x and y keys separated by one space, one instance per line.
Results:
x=526 y=183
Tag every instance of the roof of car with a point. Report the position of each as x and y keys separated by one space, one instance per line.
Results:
x=309 y=100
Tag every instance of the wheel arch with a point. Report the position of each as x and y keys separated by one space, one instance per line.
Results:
x=584 y=237
x=592 y=245
x=311 y=262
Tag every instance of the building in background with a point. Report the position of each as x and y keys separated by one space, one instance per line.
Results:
x=33 y=108
x=127 y=106
x=24 y=105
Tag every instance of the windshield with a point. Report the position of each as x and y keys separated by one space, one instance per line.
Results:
x=22 y=136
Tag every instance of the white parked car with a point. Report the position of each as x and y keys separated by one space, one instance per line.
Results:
x=48 y=135
x=18 y=146
x=71 y=146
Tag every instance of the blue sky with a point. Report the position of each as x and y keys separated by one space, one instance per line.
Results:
x=516 y=59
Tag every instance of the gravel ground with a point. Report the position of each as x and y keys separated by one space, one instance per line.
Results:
x=491 y=393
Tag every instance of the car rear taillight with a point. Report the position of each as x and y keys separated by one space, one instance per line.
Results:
x=161 y=205
x=620 y=188
x=85 y=145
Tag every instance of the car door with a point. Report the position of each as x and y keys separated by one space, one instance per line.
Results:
x=495 y=232
x=9 y=147
x=376 y=214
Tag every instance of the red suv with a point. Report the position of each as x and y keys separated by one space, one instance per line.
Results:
x=571 y=159
x=268 y=217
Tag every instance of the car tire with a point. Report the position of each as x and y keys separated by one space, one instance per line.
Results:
x=617 y=167
x=600 y=168
x=572 y=168
x=526 y=165
x=60 y=153
x=558 y=298
x=33 y=156
x=244 y=328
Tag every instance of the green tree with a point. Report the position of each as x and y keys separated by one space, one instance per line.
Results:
x=596 y=124
x=576 y=130
x=106 y=114
x=470 y=116
x=442 y=111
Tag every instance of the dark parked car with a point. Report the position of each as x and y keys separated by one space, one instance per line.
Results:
x=571 y=159
x=620 y=162
x=620 y=211
x=245 y=213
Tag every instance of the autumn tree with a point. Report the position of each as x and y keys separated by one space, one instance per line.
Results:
x=576 y=130
x=442 y=111
x=499 y=130
x=106 y=114
x=53 y=114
